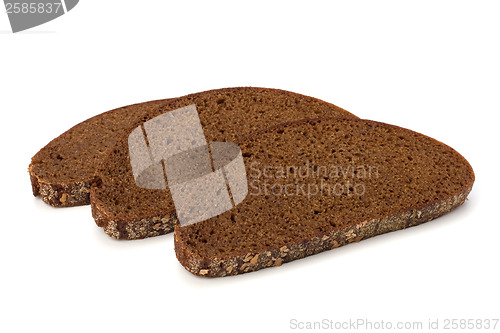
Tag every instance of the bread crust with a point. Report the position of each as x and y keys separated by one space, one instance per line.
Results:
x=219 y=267
x=150 y=226
x=61 y=195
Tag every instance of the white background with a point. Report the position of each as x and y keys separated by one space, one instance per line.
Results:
x=432 y=66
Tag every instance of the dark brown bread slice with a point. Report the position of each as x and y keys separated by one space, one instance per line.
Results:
x=62 y=172
x=126 y=211
x=407 y=178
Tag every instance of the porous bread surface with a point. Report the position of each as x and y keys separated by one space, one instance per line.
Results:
x=63 y=171
x=126 y=211
x=413 y=179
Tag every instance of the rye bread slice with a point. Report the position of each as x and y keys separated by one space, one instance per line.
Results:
x=381 y=178
x=63 y=171
x=126 y=211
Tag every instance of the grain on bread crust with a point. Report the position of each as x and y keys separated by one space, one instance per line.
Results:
x=145 y=227
x=126 y=211
x=418 y=179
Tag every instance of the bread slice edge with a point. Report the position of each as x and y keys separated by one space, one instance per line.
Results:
x=219 y=267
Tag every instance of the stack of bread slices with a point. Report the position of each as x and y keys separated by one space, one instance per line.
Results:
x=318 y=178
